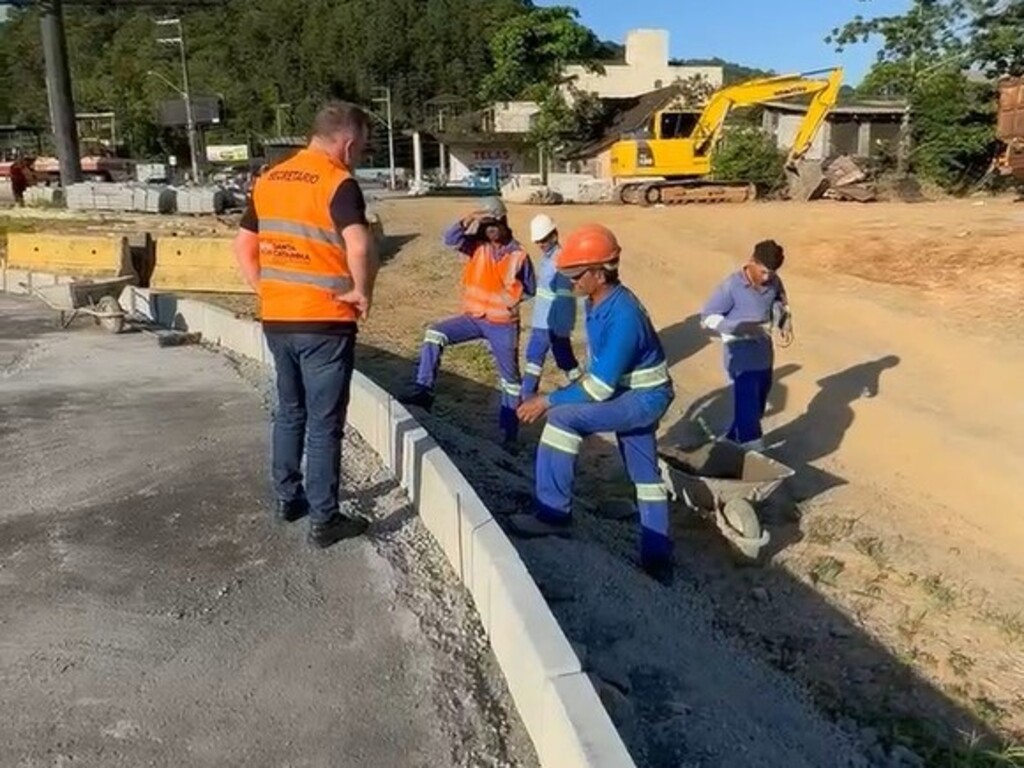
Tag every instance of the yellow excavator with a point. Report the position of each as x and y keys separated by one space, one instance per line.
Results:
x=671 y=162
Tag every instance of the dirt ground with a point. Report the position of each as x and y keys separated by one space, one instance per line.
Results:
x=893 y=586
x=897 y=405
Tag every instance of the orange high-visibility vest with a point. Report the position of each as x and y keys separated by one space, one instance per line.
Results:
x=490 y=288
x=303 y=265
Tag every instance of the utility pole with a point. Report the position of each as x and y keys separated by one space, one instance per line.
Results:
x=58 y=86
x=186 y=92
x=278 y=109
x=386 y=100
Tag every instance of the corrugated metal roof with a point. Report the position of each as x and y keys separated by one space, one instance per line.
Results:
x=875 y=108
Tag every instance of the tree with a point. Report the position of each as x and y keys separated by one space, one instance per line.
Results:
x=530 y=52
x=921 y=60
x=258 y=54
x=998 y=38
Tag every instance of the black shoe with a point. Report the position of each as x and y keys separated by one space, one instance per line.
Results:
x=337 y=528
x=662 y=571
x=419 y=396
x=290 y=511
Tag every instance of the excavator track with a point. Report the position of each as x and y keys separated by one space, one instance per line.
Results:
x=685 y=192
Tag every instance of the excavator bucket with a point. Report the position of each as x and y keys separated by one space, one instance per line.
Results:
x=806 y=180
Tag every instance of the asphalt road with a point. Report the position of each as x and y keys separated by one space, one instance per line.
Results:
x=152 y=614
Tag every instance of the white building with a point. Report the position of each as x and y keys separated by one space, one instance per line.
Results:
x=646 y=69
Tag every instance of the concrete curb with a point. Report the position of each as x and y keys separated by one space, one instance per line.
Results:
x=566 y=721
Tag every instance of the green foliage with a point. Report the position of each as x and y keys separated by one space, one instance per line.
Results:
x=954 y=131
x=256 y=54
x=998 y=39
x=747 y=154
x=530 y=50
x=922 y=55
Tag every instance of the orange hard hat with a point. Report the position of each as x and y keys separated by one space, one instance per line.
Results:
x=592 y=245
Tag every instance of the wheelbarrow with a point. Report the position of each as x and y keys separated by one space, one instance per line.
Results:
x=95 y=298
x=722 y=481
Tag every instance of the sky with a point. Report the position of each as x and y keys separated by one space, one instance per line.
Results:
x=780 y=35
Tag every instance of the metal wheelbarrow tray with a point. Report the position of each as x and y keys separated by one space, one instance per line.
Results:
x=722 y=481
x=96 y=298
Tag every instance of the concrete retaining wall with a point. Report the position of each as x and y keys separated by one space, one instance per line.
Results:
x=78 y=255
x=558 y=704
x=197 y=264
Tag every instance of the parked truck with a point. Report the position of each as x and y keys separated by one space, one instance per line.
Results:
x=1010 y=128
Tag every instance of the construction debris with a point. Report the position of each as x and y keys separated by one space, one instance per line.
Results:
x=841 y=178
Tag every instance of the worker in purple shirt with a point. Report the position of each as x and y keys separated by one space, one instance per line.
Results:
x=744 y=310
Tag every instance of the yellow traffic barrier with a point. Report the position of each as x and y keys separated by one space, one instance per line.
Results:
x=197 y=264
x=73 y=255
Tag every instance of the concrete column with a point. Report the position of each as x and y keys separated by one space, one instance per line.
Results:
x=864 y=139
x=443 y=154
x=417 y=159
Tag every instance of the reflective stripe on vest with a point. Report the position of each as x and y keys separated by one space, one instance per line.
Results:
x=486 y=293
x=282 y=227
x=303 y=265
x=333 y=284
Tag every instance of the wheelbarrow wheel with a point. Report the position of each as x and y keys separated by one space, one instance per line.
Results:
x=746 y=536
x=113 y=321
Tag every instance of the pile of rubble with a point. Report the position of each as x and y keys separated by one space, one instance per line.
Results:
x=839 y=179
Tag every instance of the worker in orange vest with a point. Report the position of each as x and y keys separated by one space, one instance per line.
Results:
x=305 y=247
x=498 y=276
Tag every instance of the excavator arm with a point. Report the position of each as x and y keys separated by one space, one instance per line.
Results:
x=825 y=91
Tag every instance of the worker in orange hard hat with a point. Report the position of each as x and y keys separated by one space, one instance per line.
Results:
x=305 y=248
x=626 y=390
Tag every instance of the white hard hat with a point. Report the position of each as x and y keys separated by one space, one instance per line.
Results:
x=494 y=207
x=541 y=226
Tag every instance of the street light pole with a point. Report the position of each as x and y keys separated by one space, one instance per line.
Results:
x=186 y=91
x=386 y=100
x=58 y=86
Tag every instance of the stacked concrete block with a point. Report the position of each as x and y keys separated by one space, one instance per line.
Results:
x=202 y=200
x=154 y=199
x=44 y=197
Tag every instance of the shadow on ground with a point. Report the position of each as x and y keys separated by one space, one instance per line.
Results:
x=684 y=339
x=728 y=655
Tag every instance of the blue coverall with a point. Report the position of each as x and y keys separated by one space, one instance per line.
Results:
x=503 y=338
x=749 y=358
x=626 y=390
x=552 y=323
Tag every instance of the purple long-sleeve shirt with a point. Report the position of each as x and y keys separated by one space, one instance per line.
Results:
x=455 y=237
x=737 y=301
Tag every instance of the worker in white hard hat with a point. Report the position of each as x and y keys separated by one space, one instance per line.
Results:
x=554 y=311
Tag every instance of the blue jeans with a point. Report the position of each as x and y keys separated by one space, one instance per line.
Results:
x=750 y=400
x=314 y=377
